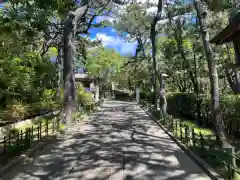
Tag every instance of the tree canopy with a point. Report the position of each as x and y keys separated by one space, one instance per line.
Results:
x=44 y=41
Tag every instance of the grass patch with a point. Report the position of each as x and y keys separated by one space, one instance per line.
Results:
x=197 y=129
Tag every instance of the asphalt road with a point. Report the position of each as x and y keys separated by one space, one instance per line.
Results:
x=112 y=145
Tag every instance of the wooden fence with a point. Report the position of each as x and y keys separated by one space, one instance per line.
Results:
x=19 y=140
x=208 y=147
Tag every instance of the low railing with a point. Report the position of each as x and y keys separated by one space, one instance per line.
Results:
x=207 y=147
x=19 y=140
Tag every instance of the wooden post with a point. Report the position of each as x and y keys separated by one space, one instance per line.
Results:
x=181 y=136
x=229 y=172
x=193 y=138
x=46 y=133
x=9 y=140
x=32 y=133
x=176 y=128
x=186 y=134
x=202 y=143
x=18 y=134
x=26 y=142
x=38 y=132
x=4 y=144
x=29 y=136
x=21 y=138
x=40 y=129
x=233 y=166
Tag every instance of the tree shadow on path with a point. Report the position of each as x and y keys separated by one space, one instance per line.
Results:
x=113 y=144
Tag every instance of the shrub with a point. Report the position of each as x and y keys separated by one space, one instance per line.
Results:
x=143 y=95
x=230 y=108
x=121 y=95
x=186 y=104
x=14 y=131
x=48 y=99
x=17 y=110
x=84 y=98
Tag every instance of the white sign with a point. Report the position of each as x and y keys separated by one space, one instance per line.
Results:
x=137 y=95
x=113 y=86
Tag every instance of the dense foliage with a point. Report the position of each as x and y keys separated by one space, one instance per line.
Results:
x=27 y=77
x=174 y=61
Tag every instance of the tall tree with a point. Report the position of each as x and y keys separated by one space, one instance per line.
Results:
x=77 y=22
x=213 y=75
x=153 y=34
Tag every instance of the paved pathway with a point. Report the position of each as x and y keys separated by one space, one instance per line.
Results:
x=112 y=145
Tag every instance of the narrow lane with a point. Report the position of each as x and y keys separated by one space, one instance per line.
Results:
x=119 y=142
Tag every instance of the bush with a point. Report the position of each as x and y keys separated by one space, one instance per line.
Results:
x=21 y=110
x=186 y=104
x=230 y=108
x=121 y=95
x=84 y=98
x=48 y=99
x=16 y=110
x=143 y=95
x=182 y=103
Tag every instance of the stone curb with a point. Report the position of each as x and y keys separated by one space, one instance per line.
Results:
x=19 y=159
x=200 y=162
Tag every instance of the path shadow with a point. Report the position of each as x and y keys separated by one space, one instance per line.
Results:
x=112 y=145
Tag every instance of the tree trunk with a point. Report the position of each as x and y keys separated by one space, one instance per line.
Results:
x=153 y=33
x=60 y=71
x=154 y=68
x=68 y=62
x=213 y=76
x=162 y=94
x=68 y=71
x=196 y=89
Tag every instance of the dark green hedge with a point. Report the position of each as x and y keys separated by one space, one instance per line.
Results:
x=145 y=95
x=119 y=95
x=185 y=104
x=197 y=108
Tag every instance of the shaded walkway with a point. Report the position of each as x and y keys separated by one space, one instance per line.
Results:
x=114 y=144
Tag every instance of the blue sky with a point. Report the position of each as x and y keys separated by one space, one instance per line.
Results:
x=111 y=39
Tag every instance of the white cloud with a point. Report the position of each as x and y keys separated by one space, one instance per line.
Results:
x=108 y=40
x=117 y=43
x=152 y=10
x=102 y=18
